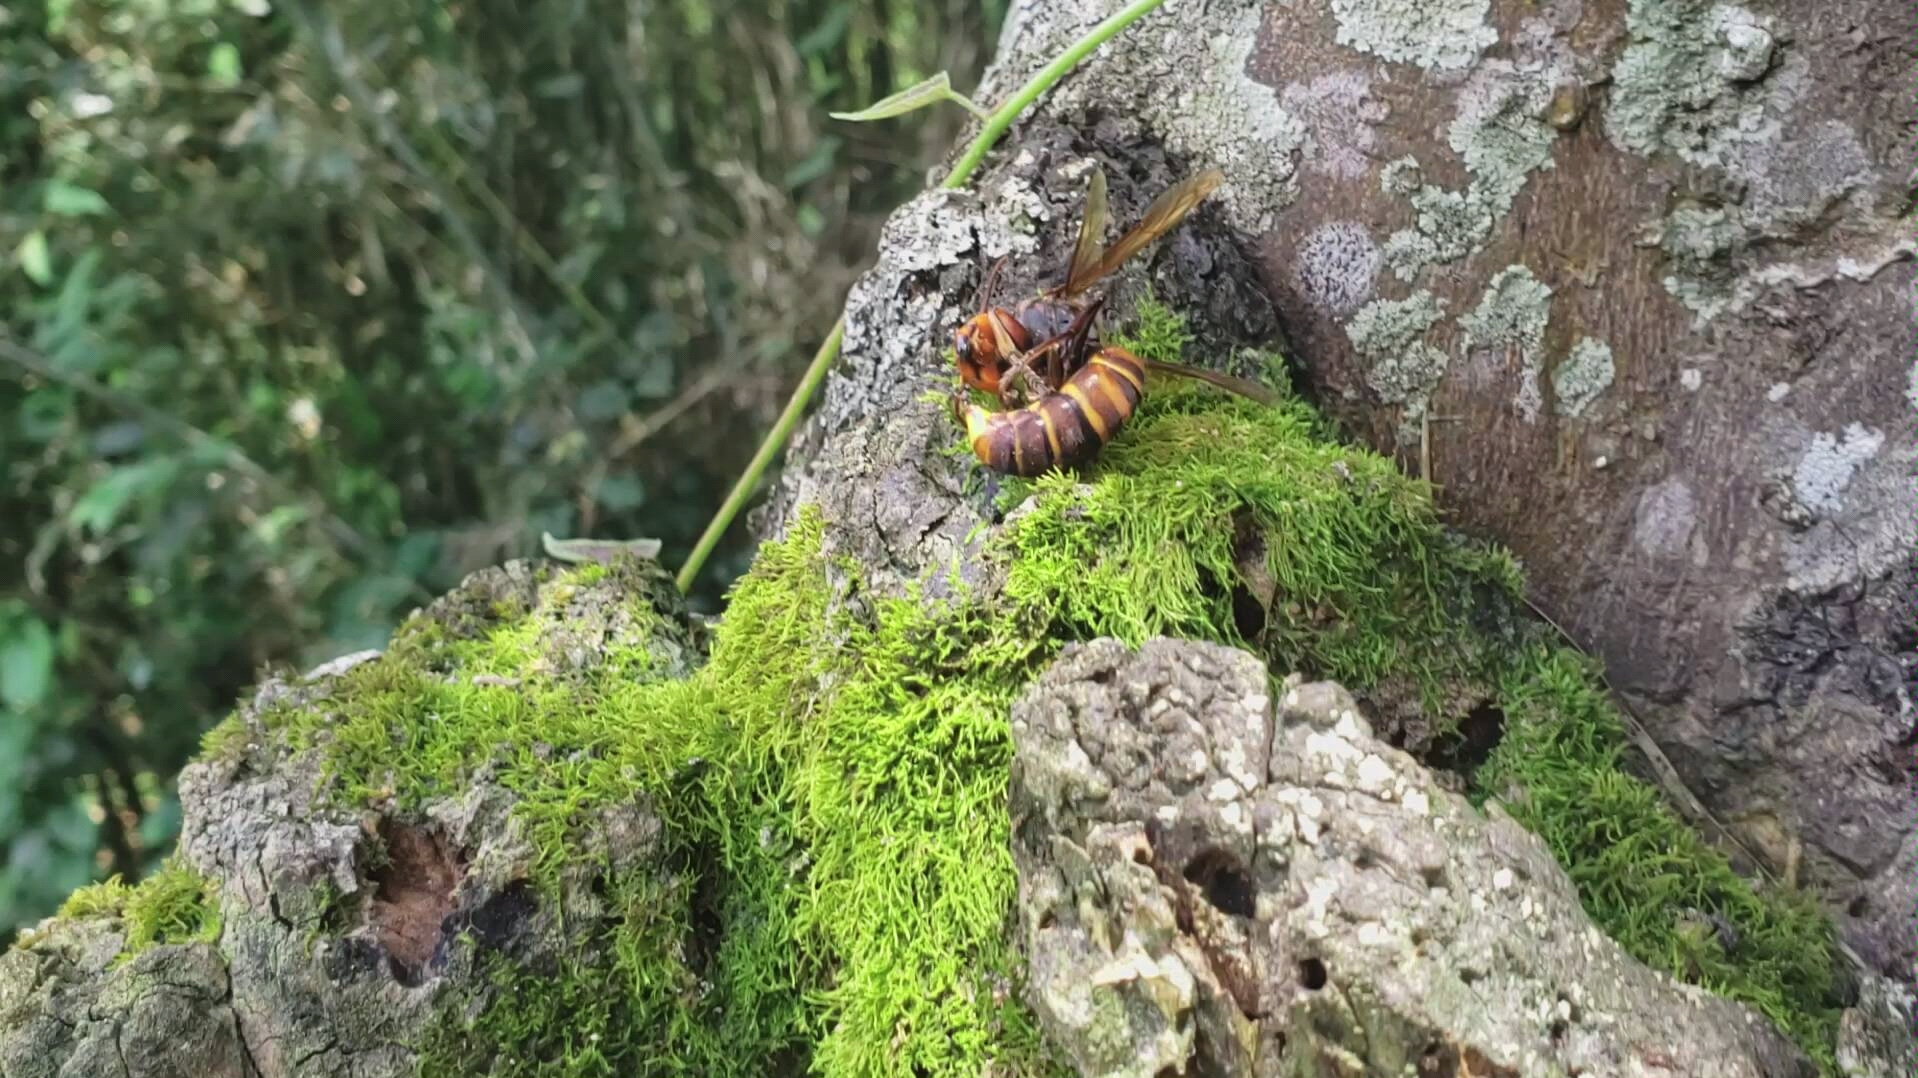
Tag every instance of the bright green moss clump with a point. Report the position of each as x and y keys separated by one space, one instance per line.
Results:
x=833 y=795
x=174 y=905
x=834 y=894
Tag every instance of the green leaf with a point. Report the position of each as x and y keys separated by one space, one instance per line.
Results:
x=33 y=257
x=67 y=200
x=567 y=85
x=930 y=92
x=26 y=663
x=161 y=825
x=597 y=550
x=828 y=34
x=602 y=401
x=16 y=757
x=816 y=164
x=272 y=527
x=223 y=64
x=103 y=502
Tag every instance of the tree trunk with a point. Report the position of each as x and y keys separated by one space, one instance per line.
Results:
x=1629 y=282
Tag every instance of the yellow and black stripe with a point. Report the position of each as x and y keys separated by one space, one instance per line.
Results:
x=1061 y=429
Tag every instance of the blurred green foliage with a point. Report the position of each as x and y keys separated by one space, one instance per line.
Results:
x=311 y=309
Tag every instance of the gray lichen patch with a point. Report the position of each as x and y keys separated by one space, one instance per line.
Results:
x=1441 y=35
x=1586 y=373
x=1791 y=186
x=1400 y=177
x=1666 y=515
x=888 y=324
x=1875 y=1040
x=1400 y=366
x=1688 y=83
x=1336 y=266
x=1512 y=315
x=1699 y=244
x=1826 y=467
x=1224 y=117
x=1341 y=117
x=1498 y=131
x=1502 y=138
x=1180 y=74
x=1451 y=225
x=66 y=1008
x=1795 y=181
x=1720 y=87
x=1858 y=512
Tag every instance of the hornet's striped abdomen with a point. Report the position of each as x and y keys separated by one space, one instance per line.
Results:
x=1060 y=429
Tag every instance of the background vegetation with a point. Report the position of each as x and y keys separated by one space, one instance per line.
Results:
x=310 y=309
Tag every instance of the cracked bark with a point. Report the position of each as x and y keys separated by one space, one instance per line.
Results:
x=1428 y=927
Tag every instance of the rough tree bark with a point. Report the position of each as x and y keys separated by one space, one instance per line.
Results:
x=1627 y=279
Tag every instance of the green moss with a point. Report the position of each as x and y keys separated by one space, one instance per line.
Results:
x=1647 y=879
x=834 y=893
x=1157 y=332
x=174 y=905
x=1355 y=584
x=837 y=808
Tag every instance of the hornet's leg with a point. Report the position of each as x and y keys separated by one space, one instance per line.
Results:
x=992 y=280
x=1078 y=337
x=1019 y=370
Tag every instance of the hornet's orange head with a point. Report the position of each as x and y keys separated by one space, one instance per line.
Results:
x=976 y=342
x=978 y=353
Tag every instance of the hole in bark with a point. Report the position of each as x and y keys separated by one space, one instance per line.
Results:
x=351 y=958
x=1438 y=1061
x=1225 y=884
x=1047 y=920
x=705 y=928
x=496 y=923
x=1142 y=855
x=1248 y=614
x=1312 y=974
x=1433 y=875
x=412 y=897
x=1465 y=750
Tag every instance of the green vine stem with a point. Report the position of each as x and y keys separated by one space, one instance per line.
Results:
x=749 y=479
x=996 y=125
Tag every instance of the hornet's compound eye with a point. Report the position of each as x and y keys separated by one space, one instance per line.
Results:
x=962 y=344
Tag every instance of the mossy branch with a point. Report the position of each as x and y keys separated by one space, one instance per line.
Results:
x=996 y=124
